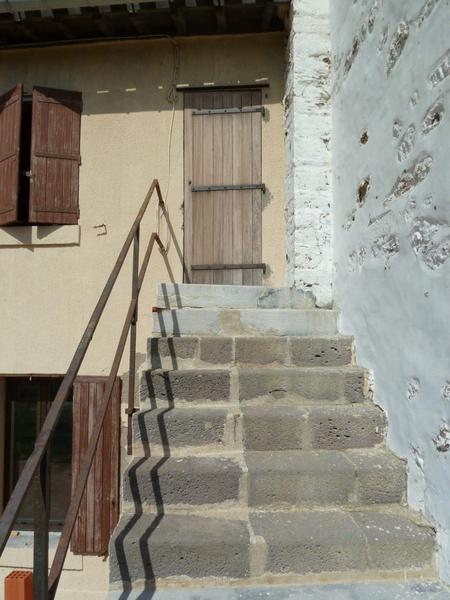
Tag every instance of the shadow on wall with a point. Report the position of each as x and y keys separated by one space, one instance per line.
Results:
x=127 y=77
x=143 y=542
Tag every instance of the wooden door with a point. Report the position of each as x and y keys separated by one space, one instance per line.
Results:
x=223 y=187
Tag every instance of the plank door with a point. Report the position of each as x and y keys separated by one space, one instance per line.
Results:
x=223 y=187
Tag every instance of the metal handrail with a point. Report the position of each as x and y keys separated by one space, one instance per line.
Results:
x=45 y=585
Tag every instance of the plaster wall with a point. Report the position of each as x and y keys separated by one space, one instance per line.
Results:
x=391 y=131
x=308 y=150
x=51 y=277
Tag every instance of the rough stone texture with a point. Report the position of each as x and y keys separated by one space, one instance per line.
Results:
x=173 y=348
x=191 y=321
x=324 y=478
x=266 y=350
x=311 y=542
x=393 y=266
x=191 y=480
x=179 y=427
x=179 y=295
x=393 y=539
x=213 y=350
x=321 y=351
x=308 y=158
x=423 y=590
x=381 y=476
x=317 y=428
x=189 y=385
x=148 y=546
x=338 y=428
x=303 y=385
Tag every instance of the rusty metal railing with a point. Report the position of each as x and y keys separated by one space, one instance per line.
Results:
x=35 y=470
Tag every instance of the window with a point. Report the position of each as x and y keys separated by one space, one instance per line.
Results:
x=27 y=403
x=39 y=156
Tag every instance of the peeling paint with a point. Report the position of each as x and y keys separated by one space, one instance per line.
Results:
x=397 y=128
x=442 y=439
x=406 y=144
x=397 y=45
x=441 y=70
x=433 y=116
x=409 y=211
x=410 y=178
x=430 y=240
x=415 y=97
x=378 y=218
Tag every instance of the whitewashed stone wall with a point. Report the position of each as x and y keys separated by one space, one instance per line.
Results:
x=391 y=149
x=308 y=144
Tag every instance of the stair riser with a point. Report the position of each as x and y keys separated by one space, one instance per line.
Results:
x=159 y=432
x=299 y=385
x=322 y=429
x=191 y=321
x=193 y=352
x=226 y=296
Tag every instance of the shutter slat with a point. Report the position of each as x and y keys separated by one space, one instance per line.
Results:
x=99 y=509
x=10 y=121
x=55 y=156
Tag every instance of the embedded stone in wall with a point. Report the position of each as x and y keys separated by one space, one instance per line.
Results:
x=441 y=71
x=350 y=58
x=397 y=45
x=425 y=12
x=406 y=143
x=442 y=439
x=378 y=218
x=397 y=129
x=413 y=389
x=410 y=178
x=430 y=240
x=373 y=15
x=386 y=245
x=446 y=391
x=433 y=116
x=363 y=190
x=383 y=38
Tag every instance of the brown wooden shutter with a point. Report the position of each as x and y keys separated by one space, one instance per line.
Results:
x=99 y=509
x=10 y=117
x=55 y=156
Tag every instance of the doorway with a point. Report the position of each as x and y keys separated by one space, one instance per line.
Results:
x=223 y=186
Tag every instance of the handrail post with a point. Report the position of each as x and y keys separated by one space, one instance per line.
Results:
x=132 y=370
x=40 y=520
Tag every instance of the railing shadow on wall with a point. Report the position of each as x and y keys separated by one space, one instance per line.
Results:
x=45 y=583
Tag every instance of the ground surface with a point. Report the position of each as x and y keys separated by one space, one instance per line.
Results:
x=362 y=591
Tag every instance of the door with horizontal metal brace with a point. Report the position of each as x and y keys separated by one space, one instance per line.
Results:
x=223 y=186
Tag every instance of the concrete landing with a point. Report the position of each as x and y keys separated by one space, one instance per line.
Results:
x=357 y=591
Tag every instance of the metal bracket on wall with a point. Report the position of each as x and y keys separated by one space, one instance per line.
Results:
x=227 y=188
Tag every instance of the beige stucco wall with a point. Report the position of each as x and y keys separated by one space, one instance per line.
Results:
x=47 y=293
x=51 y=278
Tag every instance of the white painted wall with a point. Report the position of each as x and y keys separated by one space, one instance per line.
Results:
x=392 y=240
x=308 y=157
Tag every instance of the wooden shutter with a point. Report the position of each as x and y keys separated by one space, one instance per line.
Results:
x=99 y=510
x=55 y=156
x=10 y=117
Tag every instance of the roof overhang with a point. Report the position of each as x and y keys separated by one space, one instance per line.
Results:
x=44 y=22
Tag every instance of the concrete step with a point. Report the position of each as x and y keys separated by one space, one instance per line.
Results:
x=148 y=547
x=159 y=387
x=296 y=478
x=159 y=431
x=299 y=385
x=244 y=322
x=145 y=547
x=333 y=541
x=312 y=428
x=302 y=385
x=189 y=481
x=176 y=295
x=302 y=351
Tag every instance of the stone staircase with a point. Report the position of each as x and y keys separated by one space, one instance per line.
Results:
x=258 y=454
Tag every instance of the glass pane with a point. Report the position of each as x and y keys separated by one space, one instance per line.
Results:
x=24 y=436
x=61 y=466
